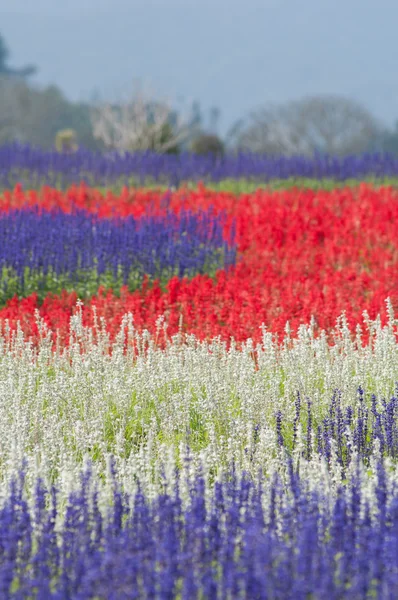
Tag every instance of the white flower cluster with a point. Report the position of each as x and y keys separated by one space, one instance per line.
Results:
x=145 y=406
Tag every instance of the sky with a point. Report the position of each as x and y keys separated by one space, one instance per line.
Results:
x=237 y=55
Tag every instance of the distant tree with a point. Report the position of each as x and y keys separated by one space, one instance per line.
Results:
x=35 y=116
x=141 y=122
x=330 y=124
x=5 y=70
x=205 y=138
x=387 y=141
x=3 y=55
x=390 y=142
x=208 y=144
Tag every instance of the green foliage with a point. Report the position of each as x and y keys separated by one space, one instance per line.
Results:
x=165 y=136
x=234 y=186
x=207 y=143
x=247 y=186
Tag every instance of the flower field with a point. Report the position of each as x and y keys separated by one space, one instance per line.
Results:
x=35 y=167
x=199 y=391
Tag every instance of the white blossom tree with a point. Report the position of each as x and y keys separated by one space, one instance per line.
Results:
x=141 y=123
x=331 y=124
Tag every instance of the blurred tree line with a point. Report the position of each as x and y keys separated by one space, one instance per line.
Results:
x=28 y=114
x=45 y=117
x=36 y=116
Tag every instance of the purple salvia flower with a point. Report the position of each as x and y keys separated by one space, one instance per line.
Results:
x=279 y=435
x=296 y=418
x=309 y=429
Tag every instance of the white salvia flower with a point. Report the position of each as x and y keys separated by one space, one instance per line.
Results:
x=138 y=402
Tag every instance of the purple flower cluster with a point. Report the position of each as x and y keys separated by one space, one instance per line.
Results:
x=257 y=540
x=70 y=244
x=32 y=166
x=361 y=428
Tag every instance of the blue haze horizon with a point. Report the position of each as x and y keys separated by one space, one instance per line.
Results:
x=235 y=55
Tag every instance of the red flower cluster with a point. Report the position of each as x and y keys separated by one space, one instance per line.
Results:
x=301 y=253
x=130 y=202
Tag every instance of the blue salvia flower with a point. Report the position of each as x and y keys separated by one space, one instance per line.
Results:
x=34 y=166
x=390 y=426
x=46 y=560
x=362 y=571
x=309 y=429
x=74 y=246
x=388 y=584
x=233 y=549
x=327 y=448
x=340 y=428
x=348 y=416
x=279 y=435
x=16 y=536
x=319 y=442
x=296 y=417
x=378 y=433
x=359 y=429
x=332 y=410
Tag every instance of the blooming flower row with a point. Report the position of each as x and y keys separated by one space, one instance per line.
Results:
x=34 y=165
x=311 y=495
x=277 y=539
x=52 y=251
x=301 y=254
x=138 y=402
x=252 y=466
